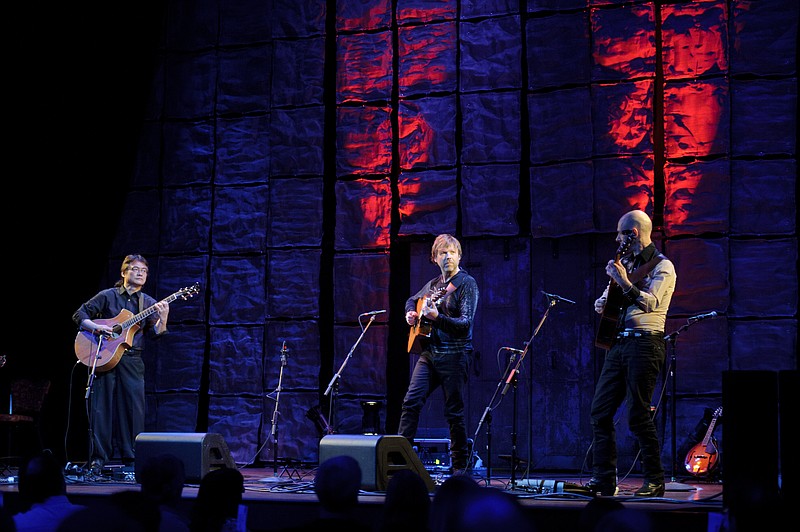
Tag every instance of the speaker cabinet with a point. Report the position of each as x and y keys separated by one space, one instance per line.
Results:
x=788 y=385
x=200 y=452
x=749 y=439
x=379 y=457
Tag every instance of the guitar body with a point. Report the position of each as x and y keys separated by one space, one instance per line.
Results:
x=702 y=458
x=423 y=326
x=124 y=326
x=111 y=348
x=609 y=319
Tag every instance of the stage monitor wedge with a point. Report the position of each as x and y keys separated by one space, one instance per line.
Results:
x=379 y=457
x=200 y=452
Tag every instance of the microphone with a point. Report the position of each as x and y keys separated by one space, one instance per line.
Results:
x=558 y=298
x=284 y=352
x=373 y=312
x=515 y=351
x=712 y=314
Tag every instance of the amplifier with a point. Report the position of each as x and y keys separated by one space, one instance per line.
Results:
x=434 y=453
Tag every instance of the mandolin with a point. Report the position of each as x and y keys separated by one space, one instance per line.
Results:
x=703 y=457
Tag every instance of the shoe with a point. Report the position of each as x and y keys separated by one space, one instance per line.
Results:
x=650 y=489
x=602 y=488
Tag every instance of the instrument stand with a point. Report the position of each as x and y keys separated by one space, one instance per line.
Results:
x=275 y=416
x=673 y=484
x=335 y=380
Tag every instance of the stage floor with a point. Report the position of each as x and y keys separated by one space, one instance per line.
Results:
x=284 y=497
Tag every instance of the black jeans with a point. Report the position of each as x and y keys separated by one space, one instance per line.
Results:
x=630 y=372
x=450 y=370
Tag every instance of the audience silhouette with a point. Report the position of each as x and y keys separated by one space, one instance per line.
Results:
x=123 y=511
x=595 y=510
x=218 y=506
x=625 y=520
x=162 y=478
x=6 y=519
x=337 y=484
x=490 y=508
x=43 y=495
x=407 y=503
x=449 y=501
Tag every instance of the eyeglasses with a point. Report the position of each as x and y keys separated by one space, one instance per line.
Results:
x=136 y=269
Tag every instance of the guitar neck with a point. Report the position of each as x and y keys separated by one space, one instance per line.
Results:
x=133 y=320
x=710 y=431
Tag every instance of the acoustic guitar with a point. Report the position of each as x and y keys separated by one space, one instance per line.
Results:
x=615 y=302
x=703 y=457
x=422 y=326
x=124 y=325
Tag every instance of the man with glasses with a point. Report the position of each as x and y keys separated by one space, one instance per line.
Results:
x=118 y=397
x=644 y=281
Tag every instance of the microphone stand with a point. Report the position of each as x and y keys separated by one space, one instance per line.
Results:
x=671 y=338
x=335 y=380
x=512 y=379
x=89 y=389
x=275 y=416
x=487 y=416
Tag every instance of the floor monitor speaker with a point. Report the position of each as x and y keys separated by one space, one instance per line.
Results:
x=200 y=452
x=379 y=457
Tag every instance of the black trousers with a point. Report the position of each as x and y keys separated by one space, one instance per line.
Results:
x=449 y=371
x=117 y=410
x=630 y=372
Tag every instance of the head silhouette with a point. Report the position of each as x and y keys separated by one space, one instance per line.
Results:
x=162 y=478
x=337 y=484
x=41 y=477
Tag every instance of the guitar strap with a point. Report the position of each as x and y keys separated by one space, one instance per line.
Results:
x=641 y=272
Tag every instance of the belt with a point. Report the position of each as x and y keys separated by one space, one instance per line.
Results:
x=133 y=352
x=638 y=334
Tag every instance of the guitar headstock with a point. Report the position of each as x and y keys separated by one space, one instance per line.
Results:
x=624 y=246
x=437 y=294
x=717 y=412
x=189 y=291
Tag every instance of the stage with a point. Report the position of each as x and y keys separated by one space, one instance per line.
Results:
x=284 y=497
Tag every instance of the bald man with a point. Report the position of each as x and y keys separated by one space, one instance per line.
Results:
x=641 y=286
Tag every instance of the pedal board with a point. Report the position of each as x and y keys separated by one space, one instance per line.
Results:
x=120 y=473
x=549 y=487
x=434 y=453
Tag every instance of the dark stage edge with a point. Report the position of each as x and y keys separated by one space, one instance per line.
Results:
x=275 y=500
